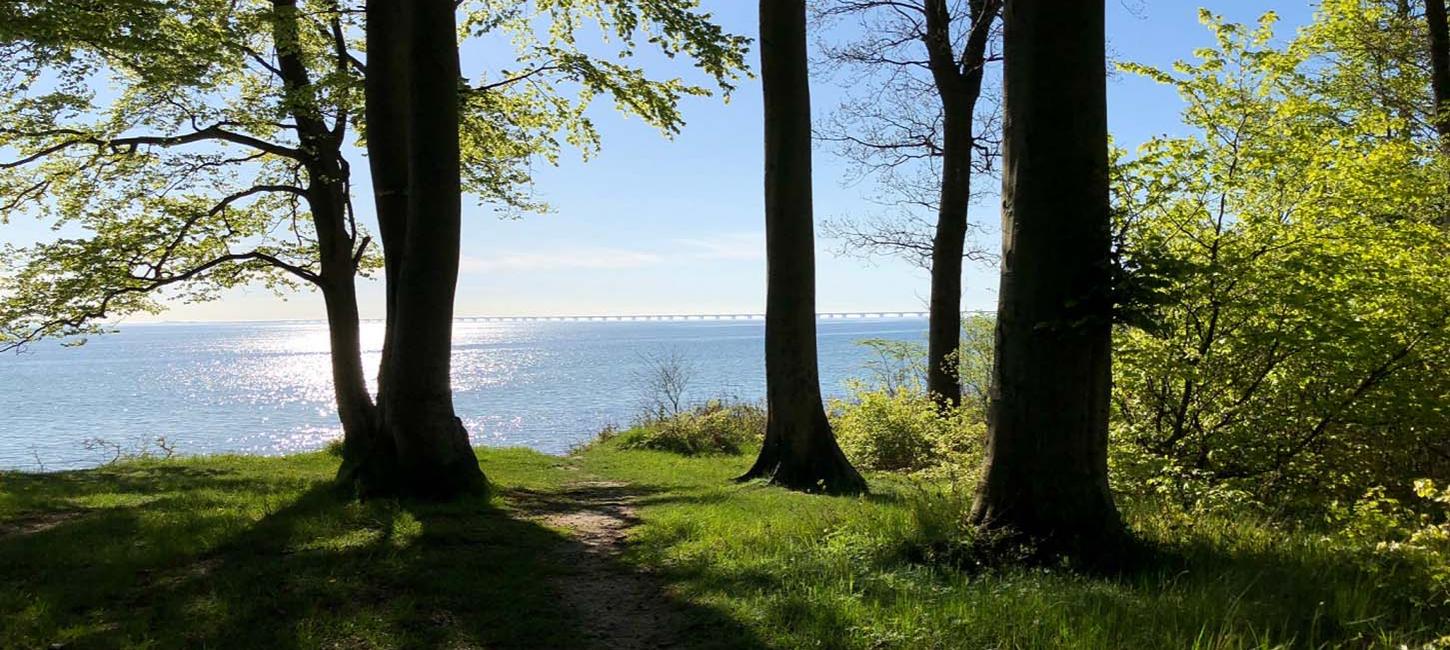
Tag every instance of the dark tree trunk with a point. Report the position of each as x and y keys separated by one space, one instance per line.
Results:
x=944 y=327
x=959 y=84
x=1046 y=469
x=370 y=461
x=326 y=196
x=387 y=111
x=800 y=452
x=1439 y=66
x=413 y=111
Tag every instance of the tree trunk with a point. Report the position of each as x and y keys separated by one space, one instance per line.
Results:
x=326 y=195
x=959 y=85
x=944 y=328
x=387 y=111
x=1046 y=469
x=413 y=93
x=800 y=452
x=1439 y=66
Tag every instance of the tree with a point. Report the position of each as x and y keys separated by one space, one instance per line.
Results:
x=421 y=448
x=924 y=61
x=224 y=160
x=799 y=451
x=1045 y=476
x=215 y=167
x=418 y=144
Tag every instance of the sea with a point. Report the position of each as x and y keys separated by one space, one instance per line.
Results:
x=265 y=387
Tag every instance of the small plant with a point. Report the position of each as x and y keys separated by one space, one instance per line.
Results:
x=159 y=447
x=109 y=448
x=664 y=383
x=334 y=448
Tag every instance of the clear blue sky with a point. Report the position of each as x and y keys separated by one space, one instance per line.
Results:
x=659 y=226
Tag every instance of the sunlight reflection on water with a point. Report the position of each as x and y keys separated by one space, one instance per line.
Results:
x=265 y=388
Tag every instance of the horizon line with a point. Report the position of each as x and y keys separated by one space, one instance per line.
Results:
x=597 y=318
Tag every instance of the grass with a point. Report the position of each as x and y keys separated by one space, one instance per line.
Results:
x=257 y=552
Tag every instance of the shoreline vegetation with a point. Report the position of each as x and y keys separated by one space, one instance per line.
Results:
x=210 y=550
x=1209 y=411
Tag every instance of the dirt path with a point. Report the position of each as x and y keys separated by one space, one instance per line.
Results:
x=37 y=522
x=618 y=606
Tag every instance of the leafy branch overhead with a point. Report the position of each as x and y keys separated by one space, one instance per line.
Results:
x=202 y=145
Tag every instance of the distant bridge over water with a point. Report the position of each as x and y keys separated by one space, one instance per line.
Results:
x=618 y=318
x=832 y=315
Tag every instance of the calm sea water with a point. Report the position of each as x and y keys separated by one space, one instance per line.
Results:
x=265 y=388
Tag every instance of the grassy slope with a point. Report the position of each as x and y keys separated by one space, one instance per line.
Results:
x=252 y=552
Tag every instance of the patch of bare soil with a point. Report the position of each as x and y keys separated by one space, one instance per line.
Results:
x=38 y=522
x=618 y=606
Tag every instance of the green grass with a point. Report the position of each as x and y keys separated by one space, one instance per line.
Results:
x=257 y=552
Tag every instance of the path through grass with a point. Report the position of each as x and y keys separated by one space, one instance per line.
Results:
x=616 y=549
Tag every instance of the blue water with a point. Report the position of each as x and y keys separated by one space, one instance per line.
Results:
x=265 y=388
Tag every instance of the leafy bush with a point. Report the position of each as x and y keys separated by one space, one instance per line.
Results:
x=715 y=428
x=1412 y=533
x=1298 y=351
x=888 y=422
x=903 y=431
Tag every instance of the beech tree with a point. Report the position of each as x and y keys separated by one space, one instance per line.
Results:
x=916 y=127
x=421 y=447
x=223 y=159
x=219 y=164
x=1046 y=474
x=800 y=451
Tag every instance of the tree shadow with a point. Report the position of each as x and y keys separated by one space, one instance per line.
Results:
x=172 y=564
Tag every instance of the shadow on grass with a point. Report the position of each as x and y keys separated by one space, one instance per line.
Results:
x=180 y=556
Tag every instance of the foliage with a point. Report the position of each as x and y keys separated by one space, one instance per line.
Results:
x=1305 y=352
x=184 y=174
x=717 y=427
x=539 y=105
x=904 y=431
x=974 y=359
x=1413 y=532
x=889 y=423
x=897 y=365
x=189 y=177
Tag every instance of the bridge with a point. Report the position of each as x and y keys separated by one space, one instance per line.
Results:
x=834 y=315
x=606 y=318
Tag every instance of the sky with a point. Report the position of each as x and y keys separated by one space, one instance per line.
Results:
x=653 y=225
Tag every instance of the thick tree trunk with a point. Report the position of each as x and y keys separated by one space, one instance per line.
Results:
x=370 y=461
x=1046 y=469
x=388 y=112
x=1439 y=66
x=417 y=61
x=800 y=452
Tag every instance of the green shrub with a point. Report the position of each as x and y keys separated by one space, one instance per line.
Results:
x=715 y=428
x=1411 y=533
x=903 y=431
x=1288 y=341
